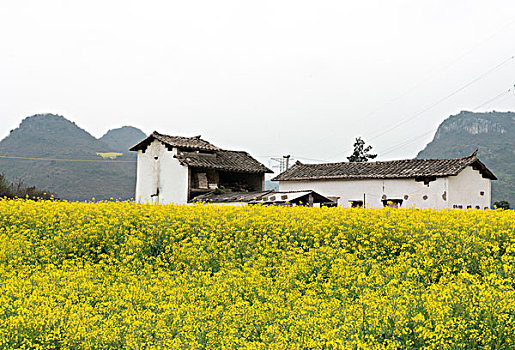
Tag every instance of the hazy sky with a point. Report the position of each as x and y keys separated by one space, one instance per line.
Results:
x=269 y=77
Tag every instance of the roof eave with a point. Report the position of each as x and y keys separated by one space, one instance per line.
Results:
x=321 y=178
x=142 y=143
x=228 y=169
x=485 y=172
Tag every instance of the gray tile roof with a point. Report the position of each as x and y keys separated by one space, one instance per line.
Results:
x=191 y=143
x=269 y=196
x=237 y=161
x=409 y=168
x=196 y=152
x=230 y=197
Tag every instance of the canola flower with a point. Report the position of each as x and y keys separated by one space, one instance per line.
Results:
x=129 y=276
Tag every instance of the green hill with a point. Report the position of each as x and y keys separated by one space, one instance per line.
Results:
x=121 y=139
x=493 y=134
x=55 y=138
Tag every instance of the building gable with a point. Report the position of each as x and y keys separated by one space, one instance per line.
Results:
x=194 y=143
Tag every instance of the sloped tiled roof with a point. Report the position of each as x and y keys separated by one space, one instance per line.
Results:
x=409 y=168
x=230 y=197
x=268 y=197
x=196 y=152
x=223 y=160
x=192 y=143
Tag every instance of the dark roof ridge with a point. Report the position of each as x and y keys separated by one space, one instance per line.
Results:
x=391 y=161
x=194 y=142
x=156 y=133
x=231 y=150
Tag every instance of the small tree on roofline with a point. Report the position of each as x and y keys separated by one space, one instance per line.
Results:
x=360 y=153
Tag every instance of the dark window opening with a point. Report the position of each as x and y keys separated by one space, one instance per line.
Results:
x=392 y=203
x=204 y=180
x=425 y=179
x=356 y=204
x=241 y=182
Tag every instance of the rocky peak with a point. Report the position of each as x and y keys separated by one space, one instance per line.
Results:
x=477 y=123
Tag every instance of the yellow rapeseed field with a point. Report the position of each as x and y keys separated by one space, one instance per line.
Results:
x=128 y=276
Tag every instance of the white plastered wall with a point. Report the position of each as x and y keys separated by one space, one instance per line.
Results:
x=466 y=187
x=158 y=169
x=413 y=193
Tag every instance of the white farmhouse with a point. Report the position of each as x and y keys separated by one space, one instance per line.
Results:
x=175 y=169
x=421 y=183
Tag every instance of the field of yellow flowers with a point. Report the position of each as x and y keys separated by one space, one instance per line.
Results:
x=122 y=275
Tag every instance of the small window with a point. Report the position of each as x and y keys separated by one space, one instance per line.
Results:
x=482 y=193
x=284 y=196
x=201 y=182
x=392 y=203
x=478 y=207
x=356 y=204
x=469 y=207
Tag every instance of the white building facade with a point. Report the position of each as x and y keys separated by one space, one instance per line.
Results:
x=160 y=176
x=419 y=183
x=175 y=169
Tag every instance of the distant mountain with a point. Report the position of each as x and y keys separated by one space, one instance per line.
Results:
x=493 y=134
x=123 y=138
x=46 y=135
x=271 y=185
x=54 y=137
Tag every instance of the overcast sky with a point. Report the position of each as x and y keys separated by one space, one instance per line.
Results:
x=270 y=77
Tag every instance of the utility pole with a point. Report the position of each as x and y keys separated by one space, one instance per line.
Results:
x=287 y=157
x=283 y=163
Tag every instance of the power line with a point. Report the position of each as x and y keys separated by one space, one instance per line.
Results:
x=432 y=73
x=416 y=138
x=421 y=112
x=403 y=144
x=69 y=160
x=294 y=157
x=315 y=160
x=494 y=98
x=418 y=114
